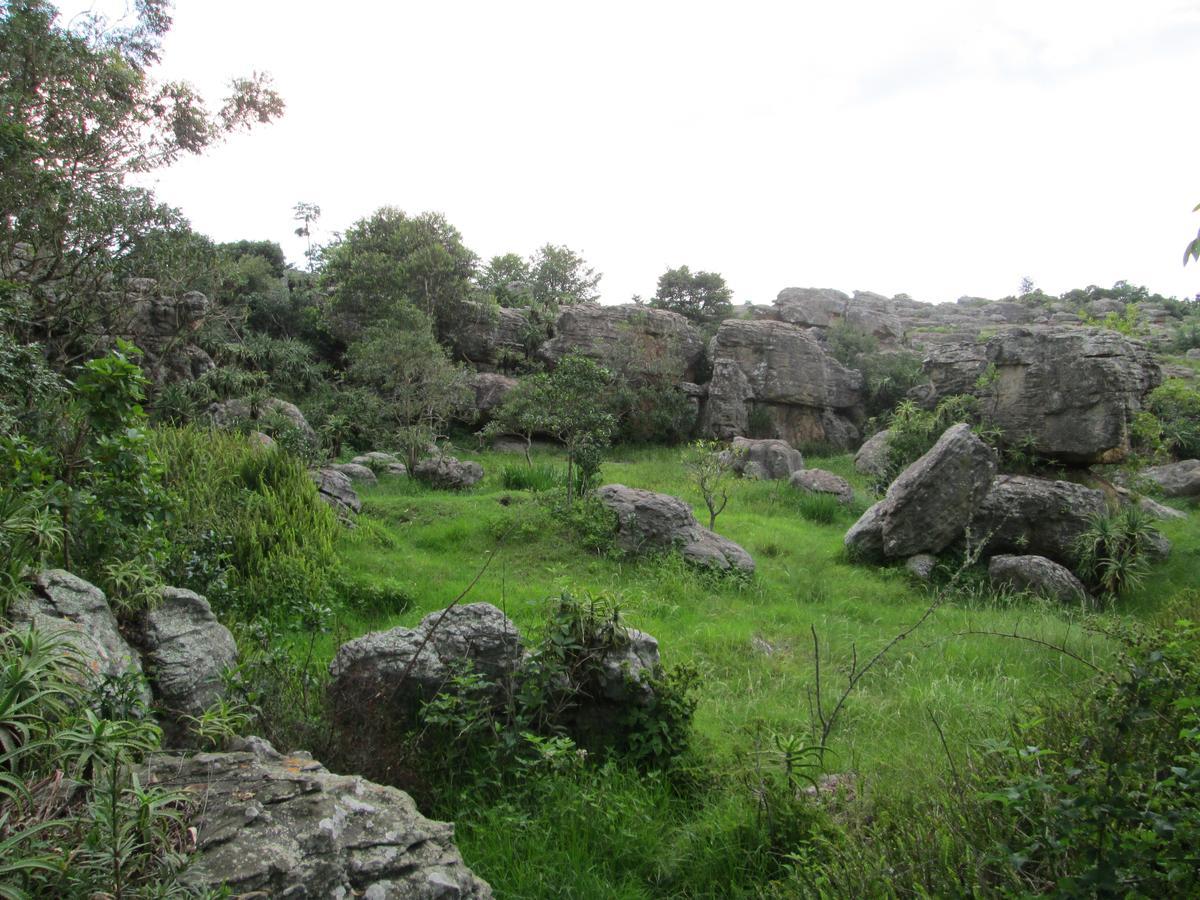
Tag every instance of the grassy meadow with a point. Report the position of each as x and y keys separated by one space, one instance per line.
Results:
x=953 y=683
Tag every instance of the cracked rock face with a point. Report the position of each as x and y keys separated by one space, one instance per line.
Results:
x=1073 y=391
x=287 y=827
x=628 y=338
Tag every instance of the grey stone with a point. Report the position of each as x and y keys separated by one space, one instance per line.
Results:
x=864 y=540
x=390 y=673
x=766 y=459
x=491 y=337
x=1180 y=479
x=1037 y=575
x=807 y=395
x=65 y=605
x=284 y=826
x=186 y=652
x=448 y=473
x=490 y=390
x=1027 y=515
x=818 y=481
x=1074 y=391
x=930 y=504
x=375 y=460
x=823 y=308
x=335 y=488
x=921 y=566
x=656 y=522
x=872 y=456
x=229 y=412
x=355 y=472
x=628 y=338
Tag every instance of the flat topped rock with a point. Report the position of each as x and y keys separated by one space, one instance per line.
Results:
x=1037 y=575
x=650 y=521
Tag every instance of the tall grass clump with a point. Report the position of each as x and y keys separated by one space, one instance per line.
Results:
x=247 y=528
x=536 y=478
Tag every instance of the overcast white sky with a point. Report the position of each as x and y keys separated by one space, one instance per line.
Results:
x=933 y=147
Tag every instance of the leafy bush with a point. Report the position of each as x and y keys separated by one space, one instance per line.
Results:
x=1176 y=405
x=888 y=375
x=248 y=530
x=912 y=431
x=1113 y=553
x=822 y=509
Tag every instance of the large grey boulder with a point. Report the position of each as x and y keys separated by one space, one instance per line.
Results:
x=628 y=338
x=355 y=472
x=1180 y=479
x=818 y=481
x=1037 y=575
x=490 y=390
x=767 y=459
x=864 y=539
x=872 y=457
x=1073 y=390
x=230 y=412
x=448 y=473
x=65 y=605
x=492 y=337
x=647 y=521
x=186 y=652
x=335 y=488
x=930 y=504
x=390 y=673
x=162 y=326
x=823 y=308
x=269 y=825
x=787 y=375
x=1027 y=515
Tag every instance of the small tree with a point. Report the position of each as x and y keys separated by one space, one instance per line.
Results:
x=523 y=413
x=423 y=389
x=703 y=297
x=710 y=467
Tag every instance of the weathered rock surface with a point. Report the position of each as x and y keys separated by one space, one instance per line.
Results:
x=448 y=473
x=491 y=338
x=380 y=463
x=767 y=459
x=628 y=338
x=824 y=308
x=864 y=539
x=490 y=390
x=1037 y=575
x=930 y=504
x=921 y=566
x=1181 y=479
x=355 y=472
x=655 y=522
x=806 y=393
x=618 y=678
x=390 y=673
x=61 y=603
x=335 y=488
x=284 y=826
x=228 y=412
x=818 y=481
x=1026 y=515
x=186 y=651
x=162 y=326
x=872 y=456
x=1073 y=390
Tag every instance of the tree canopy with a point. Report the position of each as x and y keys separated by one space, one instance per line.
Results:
x=703 y=297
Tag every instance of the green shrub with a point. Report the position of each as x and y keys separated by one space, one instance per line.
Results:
x=248 y=530
x=1114 y=551
x=1176 y=404
x=541 y=477
x=822 y=509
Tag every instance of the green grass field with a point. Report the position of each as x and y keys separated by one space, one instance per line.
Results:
x=753 y=645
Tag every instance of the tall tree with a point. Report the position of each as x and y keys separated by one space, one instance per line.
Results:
x=390 y=261
x=79 y=114
x=701 y=296
x=560 y=277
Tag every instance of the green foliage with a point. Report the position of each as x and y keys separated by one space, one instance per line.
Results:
x=912 y=431
x=560 y=277
x=82 y=115
x=823 y=509
x=1186 y=337
x=1176 y=405
x=888 y=375
x=126 y=839
x=248 y=530
x=1126 y=323
x=1114 y=552
x=703 y=297
x=391 y=262
x=532 y=478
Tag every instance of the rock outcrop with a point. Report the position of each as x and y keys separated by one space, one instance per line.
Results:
x=1074 y=391
x=818 y=481
x=872 y=457
x=932 y=502
x=1026 y=515
x=784 y=375
x=1037 y=575
x=493 y=338
x=186 y=652
x=871 y=313
x=336 y=489
x=1181 y=479
x=448 y=473
x=62 y=604
x=388 y=674
x=355 y=472
x=767 y=459
x=284 y=826
x=490 y=390
x=162 y=327
x=627 y=338
x=647 y=521
x=230 y=412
